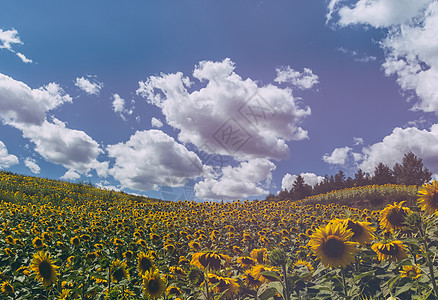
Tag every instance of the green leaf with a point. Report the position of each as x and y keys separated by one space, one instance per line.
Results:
x=362 y=275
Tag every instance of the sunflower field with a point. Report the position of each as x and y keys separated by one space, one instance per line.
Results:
x=73 y=241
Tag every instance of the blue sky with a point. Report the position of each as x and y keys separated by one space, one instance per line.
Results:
x=212 y=100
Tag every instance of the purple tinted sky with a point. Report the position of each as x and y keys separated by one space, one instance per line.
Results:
x=342 y=77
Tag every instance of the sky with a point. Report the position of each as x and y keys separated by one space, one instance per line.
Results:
x=215 y=100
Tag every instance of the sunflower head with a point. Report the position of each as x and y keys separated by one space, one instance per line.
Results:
x=362 y=232
x=144 y=263
x=428 y=197
x=332 y=244
x=210 y=260
x=260 y=255
x=118 y=271
x=44 y=268
x=153 y=284
x=411 y=272
x=393 y=217
x=7 y=288
x=391 y=251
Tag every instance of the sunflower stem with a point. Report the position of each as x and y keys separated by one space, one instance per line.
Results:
x=286 y=292
x=343 y=282
x=206 y=288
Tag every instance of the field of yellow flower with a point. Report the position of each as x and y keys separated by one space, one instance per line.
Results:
x=73 y=241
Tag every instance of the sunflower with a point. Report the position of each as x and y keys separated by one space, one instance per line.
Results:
x=38 y=242
x=7 y=288
x=393 y=216
x=391 y=251
x=169 y=247
x=173 y=290
x=226 y=285
x=195 y=245
x=177 y=271
x=260 y=255
x=144 y=263
x=210 y=260
x=118 y=271
x=256 y=275
x=333 y=246
x=428 y=197
x=75 y=241
x=153 y=284
x=411 y=272
x=245 y=262
x=128 y=254
x=362 y=232
x=43 y=268
x=64 y=294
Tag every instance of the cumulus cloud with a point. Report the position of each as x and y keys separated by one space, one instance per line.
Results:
x=156 y=122
x=411 y=47
x=236 y=182
x=22 y=105
x=91 y=88
x=229 y=115
x=25 y=109
x=357 y=141
x=10 y=37
x=71 y=175
x=6 y=160
x=32 y=165
x=310 y=178
x=423 y=143
x=119 y=106
x=338 y=156
x=151 y=158
x=302 y=81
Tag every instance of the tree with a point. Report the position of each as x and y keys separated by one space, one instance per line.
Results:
x=360 y=178
x=411 y=171
x=383 y=174
x=300 y=189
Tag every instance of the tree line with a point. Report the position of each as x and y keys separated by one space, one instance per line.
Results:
x=410 y=172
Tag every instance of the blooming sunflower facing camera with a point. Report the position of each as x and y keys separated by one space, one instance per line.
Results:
x=153 y=284
x=44 y=268
x=411 y=272
x=362 y=232
x=428 y=197
x=391 y=251
x=393 y=216
x=332 y=244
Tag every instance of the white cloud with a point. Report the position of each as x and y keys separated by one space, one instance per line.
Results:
x=119 y=106
x=380 y=13
x=302 y=81
x=338 y=156
x=237 y=182
x=91 y=88
x=357 y=141
x=24 y=58
x=21 y=104
x=10 y=37
x=229 y=116
x=6 y=160
x=32 y=165
x=310 y=178
x=411 y=46
x=71 y=175
x=423 y=143
x=25 y=109
x=156 y=122
x=151 y=158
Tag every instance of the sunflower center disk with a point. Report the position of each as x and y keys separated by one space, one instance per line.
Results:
x=396 y=217
x=153 y=286
x=145 y=264
x=356 y=228
x=118 y=274
x=391 y=250
x=45 y=270
x=434 y=199
x=334 y=246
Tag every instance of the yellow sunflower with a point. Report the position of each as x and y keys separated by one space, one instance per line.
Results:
x=38 y=243
x=43 y=268
x=144 y=263
x=118 y=271
x=393 y=216
x=391 y=251
x=428 y=197
x=7 y=288
x=260 y=255
x=333 y=246
x=245 y=262
x=362 y=232
x=153 y=284
x=173 y=290
x=210 y=260
x=226 y=285
x=256 y=275
x=411 y=272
